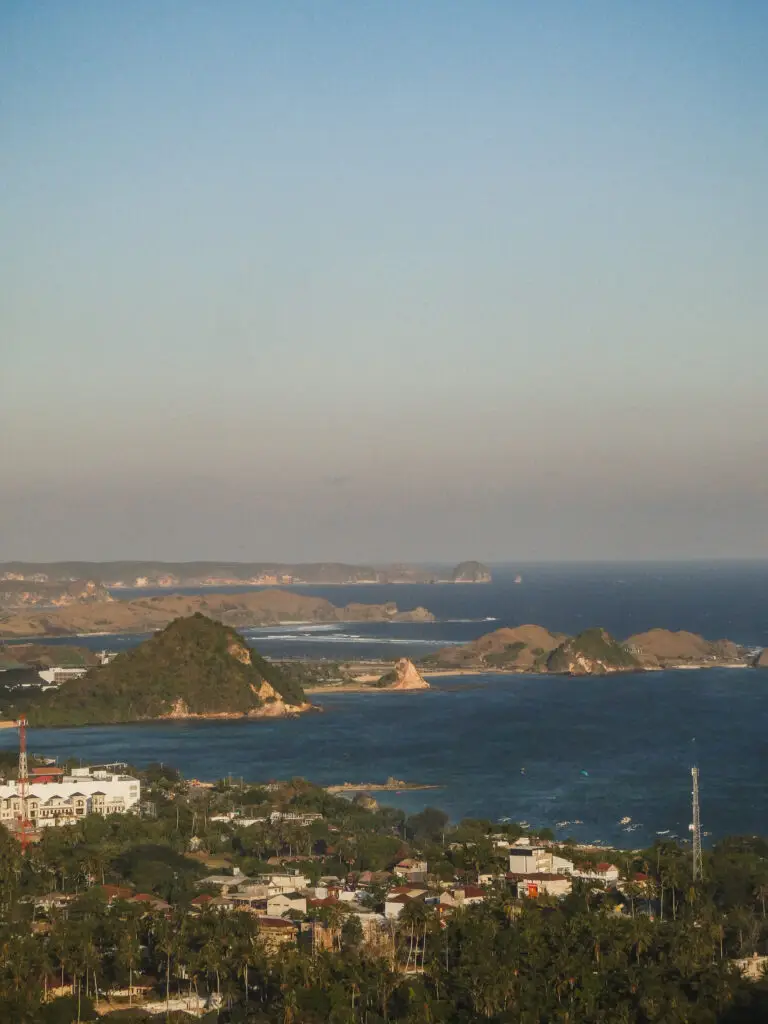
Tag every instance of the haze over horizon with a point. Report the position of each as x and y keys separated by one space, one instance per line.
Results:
x=384 y=282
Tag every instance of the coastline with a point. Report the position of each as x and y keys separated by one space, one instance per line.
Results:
x=363 y=687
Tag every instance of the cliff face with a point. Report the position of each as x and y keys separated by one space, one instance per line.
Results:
x=257 y=608
x=404 y=676
x=471 y=572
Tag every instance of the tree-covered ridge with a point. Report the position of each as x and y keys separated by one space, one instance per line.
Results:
x=592 y=651
x=194 y=666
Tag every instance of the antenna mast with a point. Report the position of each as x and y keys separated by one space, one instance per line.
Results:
x=24 y=822
x=696 y=827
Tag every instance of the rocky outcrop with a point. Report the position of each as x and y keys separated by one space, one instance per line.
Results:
x=404 y=676
x=762 y=659
x=471 y=572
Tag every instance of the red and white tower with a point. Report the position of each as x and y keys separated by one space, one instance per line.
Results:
x=24 y=823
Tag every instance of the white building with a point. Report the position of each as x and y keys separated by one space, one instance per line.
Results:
x=528 y=859
x=85 y=791
x=58 y=674
x=281 y=903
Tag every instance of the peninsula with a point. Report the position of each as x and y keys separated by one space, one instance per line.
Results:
x=268 y=607
x=532 y=648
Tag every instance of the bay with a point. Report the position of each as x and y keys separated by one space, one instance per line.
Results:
x=635 y=735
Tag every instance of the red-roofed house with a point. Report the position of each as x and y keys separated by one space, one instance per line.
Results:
x=602 y=872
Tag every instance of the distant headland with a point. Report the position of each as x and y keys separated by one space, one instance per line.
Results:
x=532 y=648
x=64 y=582
x=267 y=607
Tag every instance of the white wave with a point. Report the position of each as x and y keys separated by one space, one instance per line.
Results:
x=353 y=638
x=490 y=618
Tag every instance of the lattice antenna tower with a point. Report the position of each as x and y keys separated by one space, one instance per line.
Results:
x=24 y=823
x=696 y=827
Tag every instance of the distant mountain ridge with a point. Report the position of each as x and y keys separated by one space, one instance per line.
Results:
x=140 y=573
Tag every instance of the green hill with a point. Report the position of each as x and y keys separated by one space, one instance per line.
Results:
x=592 y=652
x=194 y=666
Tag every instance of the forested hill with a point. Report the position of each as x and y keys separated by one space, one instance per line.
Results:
x=195 y=666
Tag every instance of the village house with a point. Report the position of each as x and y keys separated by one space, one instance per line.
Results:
x=398 y=897
x=224 y=883
x=531 y=885
x=285 y=881
x=462 y=896
x=412 y=870
x=279 y=904
x=602 y=872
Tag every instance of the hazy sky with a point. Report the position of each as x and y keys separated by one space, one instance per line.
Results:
x=378 y=280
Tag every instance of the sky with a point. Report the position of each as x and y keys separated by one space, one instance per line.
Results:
x=376 y=281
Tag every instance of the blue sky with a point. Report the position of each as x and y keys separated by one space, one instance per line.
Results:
x=383 y=280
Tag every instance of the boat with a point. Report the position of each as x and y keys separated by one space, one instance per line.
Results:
x=518 y=579
x=523 y=824
x=584 y=772
x=625 y=821
x=664 y=832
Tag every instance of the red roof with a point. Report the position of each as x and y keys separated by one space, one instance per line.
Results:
x=605 y=866
x=116 y=892
x=327 y=901
x=473 y=890
x=198 y=901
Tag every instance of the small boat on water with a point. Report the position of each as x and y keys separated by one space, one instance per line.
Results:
x=664 y=832
x=518 y=579
x=625 y=821
x=584 y=772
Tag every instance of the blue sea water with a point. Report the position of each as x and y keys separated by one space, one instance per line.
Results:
x=636 y=735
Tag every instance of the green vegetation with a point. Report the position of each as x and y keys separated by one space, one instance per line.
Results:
x=660 y=952
x=500 y=659
x=195 y=666
x=594 y=646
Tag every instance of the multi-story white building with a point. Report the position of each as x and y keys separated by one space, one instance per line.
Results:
x=69 y=797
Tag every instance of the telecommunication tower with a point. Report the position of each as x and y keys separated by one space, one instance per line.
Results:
x=23 y=821
x=696 y=827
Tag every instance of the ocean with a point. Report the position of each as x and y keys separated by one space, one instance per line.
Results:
x=576 y=755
